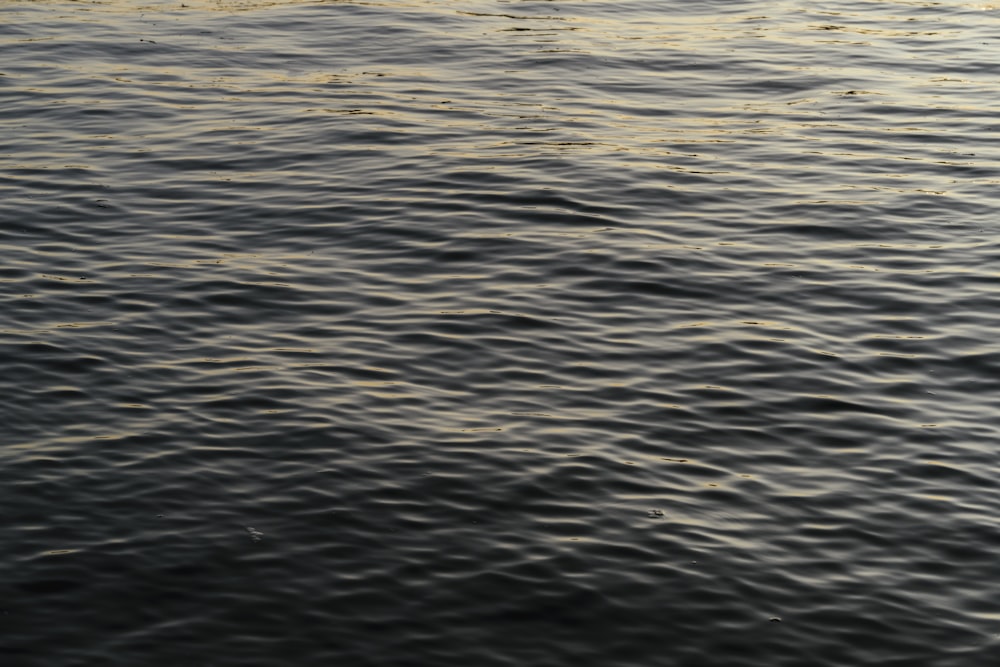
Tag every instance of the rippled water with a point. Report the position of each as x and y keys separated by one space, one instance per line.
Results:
x=481 y=333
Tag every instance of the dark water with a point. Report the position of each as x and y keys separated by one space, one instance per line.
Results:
x=481 y=333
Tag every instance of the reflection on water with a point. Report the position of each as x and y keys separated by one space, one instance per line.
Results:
x=453 y=333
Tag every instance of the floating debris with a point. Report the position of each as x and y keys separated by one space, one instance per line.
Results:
x=255 y=534
x=654 y=513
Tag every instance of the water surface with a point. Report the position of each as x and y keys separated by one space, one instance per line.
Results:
x=429 y=332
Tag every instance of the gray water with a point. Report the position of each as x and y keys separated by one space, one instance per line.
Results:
x=479 y=333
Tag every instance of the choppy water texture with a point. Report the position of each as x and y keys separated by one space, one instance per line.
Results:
x=478 y=333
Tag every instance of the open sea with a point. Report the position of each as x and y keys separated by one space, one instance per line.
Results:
x=499 y=333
